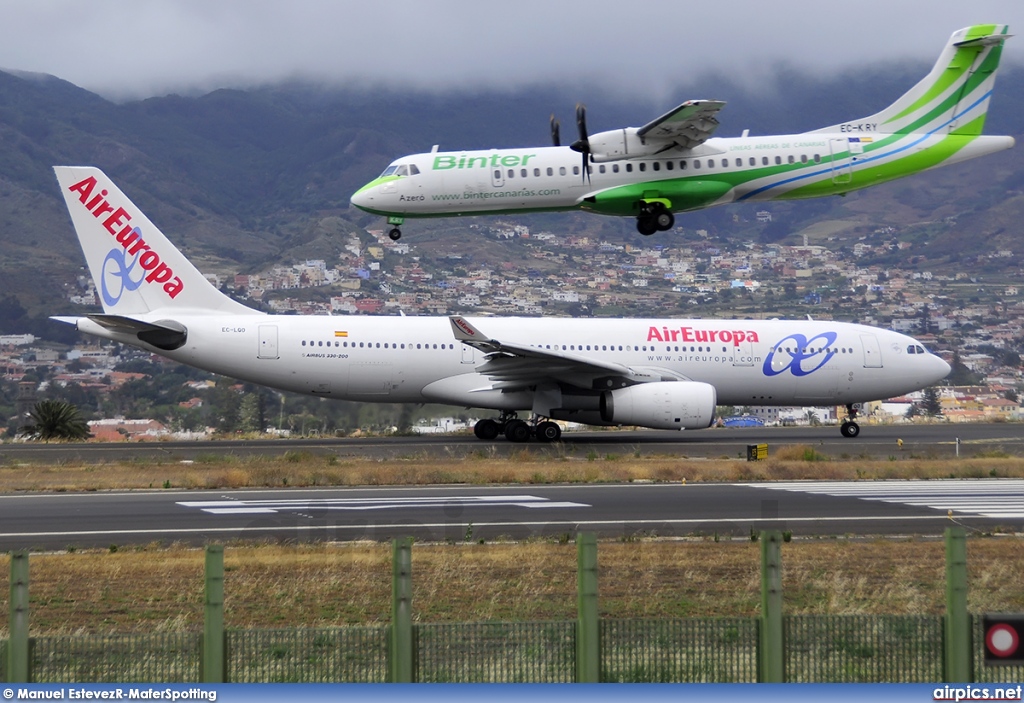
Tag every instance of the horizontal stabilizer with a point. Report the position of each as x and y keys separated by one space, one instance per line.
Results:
x=162 y=334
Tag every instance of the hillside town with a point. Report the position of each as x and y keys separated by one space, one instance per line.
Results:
x=975 y=323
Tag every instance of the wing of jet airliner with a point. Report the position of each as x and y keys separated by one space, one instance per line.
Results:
x=512 y=366
x=687 y=126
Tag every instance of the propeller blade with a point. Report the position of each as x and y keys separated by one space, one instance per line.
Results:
x=582 y=144
x=584 y=140
x=555 y=131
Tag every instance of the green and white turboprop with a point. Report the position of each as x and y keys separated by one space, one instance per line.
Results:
x=674 y=164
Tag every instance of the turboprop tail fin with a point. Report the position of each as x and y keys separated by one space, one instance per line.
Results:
x=135 y=268
x=953 y=98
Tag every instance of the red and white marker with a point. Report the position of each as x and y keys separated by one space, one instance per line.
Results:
x=1002 y=640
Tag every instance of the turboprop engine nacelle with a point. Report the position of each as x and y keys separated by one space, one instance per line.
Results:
x=621 y=144
x=677 y=405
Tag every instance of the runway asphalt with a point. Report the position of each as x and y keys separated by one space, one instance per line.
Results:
x=878 y=442
x=468 y=513
x=458 y=513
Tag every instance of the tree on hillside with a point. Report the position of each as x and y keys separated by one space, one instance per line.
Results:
x=930 y=404
x=251 y=415
x=960 y=375
x=56 y=419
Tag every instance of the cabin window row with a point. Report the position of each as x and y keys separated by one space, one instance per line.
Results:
x=375 y=345
x=811 y=350
x=685 y=164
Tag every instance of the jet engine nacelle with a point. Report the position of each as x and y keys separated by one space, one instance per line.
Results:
x=621 y=144
x=662 y=405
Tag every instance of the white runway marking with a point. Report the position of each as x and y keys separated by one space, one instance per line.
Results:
x=264 y=507
x=994 y=498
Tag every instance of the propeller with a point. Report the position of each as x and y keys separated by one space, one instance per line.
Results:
x=554 y=131
x=582 y=144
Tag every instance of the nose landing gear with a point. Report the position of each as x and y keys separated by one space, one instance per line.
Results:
x=395 y=223
x=850 y=428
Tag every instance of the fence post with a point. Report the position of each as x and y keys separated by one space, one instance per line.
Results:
x=588 y=658
x=957 y=648
x=17 y=645
x=770 y=660
x=213 y=668
x=400 y=661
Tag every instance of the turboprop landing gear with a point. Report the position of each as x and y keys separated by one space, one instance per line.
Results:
x=654 y=217
x=850 y=428
x=395 y=223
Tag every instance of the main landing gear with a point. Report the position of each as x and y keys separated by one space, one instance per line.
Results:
x=654 y=217
x=516 y=430
x=850 y=428
x=395 y=234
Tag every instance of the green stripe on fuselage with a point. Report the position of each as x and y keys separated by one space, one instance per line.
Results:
x=871 y=175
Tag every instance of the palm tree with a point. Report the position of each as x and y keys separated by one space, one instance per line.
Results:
x=56 y=419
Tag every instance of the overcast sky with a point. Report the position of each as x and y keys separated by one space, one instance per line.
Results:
x=138 y=48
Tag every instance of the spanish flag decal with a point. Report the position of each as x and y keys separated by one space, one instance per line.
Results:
x=340 y=333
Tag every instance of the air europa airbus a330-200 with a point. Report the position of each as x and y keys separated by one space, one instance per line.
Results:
x=660 y=373
x=673 y=164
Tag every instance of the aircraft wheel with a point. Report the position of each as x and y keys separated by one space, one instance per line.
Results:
x=395 y=234
x=549 y=432
x=664 y=221
x=646 y=225
x=486 y=429
x=517 y=431
x=850 y=429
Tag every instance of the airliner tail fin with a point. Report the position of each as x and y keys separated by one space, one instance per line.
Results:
x=953 y=98
x=135 y=268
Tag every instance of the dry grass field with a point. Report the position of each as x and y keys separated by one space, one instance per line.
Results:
x=155 y=587
x=147 y=589
x=788 y=462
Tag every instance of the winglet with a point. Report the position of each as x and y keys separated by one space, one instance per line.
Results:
x=465 y=332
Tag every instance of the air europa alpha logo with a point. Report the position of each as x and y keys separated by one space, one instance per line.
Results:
x=118 y=223
x=800 y=355
x=117 y=276
x=689 y=334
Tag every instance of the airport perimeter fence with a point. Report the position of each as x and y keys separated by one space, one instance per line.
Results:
x=771 y=647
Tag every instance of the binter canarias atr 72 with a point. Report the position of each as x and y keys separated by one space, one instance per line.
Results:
x=675 y=164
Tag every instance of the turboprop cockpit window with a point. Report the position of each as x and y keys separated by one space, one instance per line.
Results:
x=407 y=170
x=389 y=171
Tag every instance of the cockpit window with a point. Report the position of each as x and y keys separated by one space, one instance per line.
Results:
x=915 y=349
x=400 y=170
